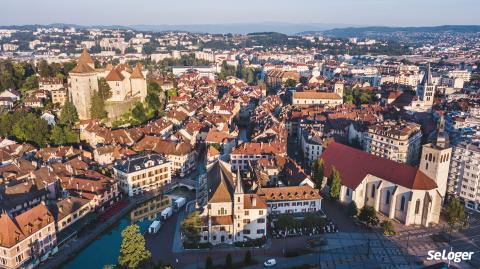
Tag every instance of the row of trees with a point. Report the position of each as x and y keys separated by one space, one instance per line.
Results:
x=318 y=171
x=30 y=127
x=358 y=96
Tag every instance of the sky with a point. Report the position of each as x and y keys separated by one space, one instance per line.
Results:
x=175 y=12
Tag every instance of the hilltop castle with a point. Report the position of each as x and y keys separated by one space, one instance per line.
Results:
x=127 y=86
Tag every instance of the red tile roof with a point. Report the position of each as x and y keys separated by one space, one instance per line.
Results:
x=354 y=165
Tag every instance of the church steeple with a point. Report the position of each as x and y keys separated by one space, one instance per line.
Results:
x=238 y=183
x=428 y=78
x=441 y=139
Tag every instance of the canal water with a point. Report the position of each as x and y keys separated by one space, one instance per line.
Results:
x=106 y=248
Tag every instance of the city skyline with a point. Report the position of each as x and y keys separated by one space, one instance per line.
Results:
x=304 y=12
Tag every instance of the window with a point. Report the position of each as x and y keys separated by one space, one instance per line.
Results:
x=373 y=191
x=246 y=231
x=261 y=220
x=260 y=231
x=417 y=207
x=387 y=198
x=348 y=192
x=402 y=204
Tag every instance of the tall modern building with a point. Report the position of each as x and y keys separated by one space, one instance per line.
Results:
x=464 y=176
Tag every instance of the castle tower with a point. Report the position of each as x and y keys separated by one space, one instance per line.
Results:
x=238 y=210
x=83 y=83
x=338 y=87
x=435 y=159
x=426 y=89
x=138 y=83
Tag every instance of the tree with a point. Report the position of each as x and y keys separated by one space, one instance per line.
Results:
x=133 y=253
x=62 y=135
x=139 y=113
x=68 y=114
x=104 y=89
x=290 y=83
x=368 y=215
x=387 y=227
x=286 y=221
x=312 y=220
x=153 y=86
x=334 y=184
x=352 y=209
x=454 y=213
x=248 y=258
x=97 y=107
x=228 y=261
x=304 y=81
x=31 y=83
x=209 y=263
x=153 y=102
x=318 y=173
x=31 y=128
x=44 y=69
x=191 y=229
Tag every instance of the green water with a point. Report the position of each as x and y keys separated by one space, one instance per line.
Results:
x=105 y=249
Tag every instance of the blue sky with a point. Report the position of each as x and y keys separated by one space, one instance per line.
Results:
x=128 y=12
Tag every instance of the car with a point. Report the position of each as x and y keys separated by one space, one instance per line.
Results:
x=270 y=263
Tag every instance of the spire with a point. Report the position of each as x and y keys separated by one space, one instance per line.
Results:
x=428 y=79
x=238 y=183
x=85 y=57
x=442 y=139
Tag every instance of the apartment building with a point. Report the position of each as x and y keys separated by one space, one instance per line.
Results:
x=291 y=199
x=26 y=238
x=464 y=176
x=144 y=172
x=395 y=140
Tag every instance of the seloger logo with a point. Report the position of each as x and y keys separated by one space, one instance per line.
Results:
x=450 y=256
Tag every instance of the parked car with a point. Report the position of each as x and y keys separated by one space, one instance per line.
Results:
x=270 y=263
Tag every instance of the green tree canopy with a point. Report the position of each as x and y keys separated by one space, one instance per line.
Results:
x=68 y=114
x=454 y=213
x=318 y=173
x=286 y=221
x=335 y=184
x=133 y=253
x=104 y=89
x=63 y=135
x=30 y=128
x=191 y=227
x=97 y=107
x=352 y=209
x=290 y=83
x=368 y=215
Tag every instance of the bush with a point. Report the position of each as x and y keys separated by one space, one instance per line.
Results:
x=352 y=209
x=387 y=227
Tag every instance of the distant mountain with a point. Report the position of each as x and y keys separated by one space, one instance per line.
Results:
x=379 y=30
x=240 y=28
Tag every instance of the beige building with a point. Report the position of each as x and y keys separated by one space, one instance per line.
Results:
x=141 y=173
x=126 y=84
x=398 y=191
x=26 y=238
x=59 y=96
x=311 y=98
x=395 y=140
x=231 y=215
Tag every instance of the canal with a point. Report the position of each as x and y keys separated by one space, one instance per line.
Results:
x=106 y=248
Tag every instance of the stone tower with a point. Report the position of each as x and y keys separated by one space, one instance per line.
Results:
x=238 y=208
x=435 y=159
x=83 y=83
x=426 y=89
x=338 y=87
x=138 y=84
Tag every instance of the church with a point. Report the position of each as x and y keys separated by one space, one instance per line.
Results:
x=407 y=194
x=128 y=85
x=231 y=215
x=423 y=101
